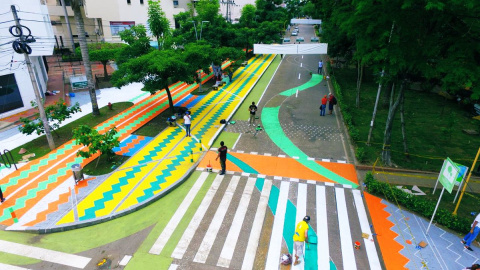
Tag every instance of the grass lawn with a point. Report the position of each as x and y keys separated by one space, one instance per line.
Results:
x=468 y=204
x=433 y=125
x=39 y=146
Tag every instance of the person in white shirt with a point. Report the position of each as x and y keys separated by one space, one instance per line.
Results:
x=187 y=122
x=468 y=239
x=320 y=67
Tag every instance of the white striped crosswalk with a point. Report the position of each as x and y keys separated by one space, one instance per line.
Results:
x=229 y=236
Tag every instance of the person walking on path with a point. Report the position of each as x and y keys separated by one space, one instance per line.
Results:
x=332 y=100
x=320 y=67
x=299 y=238
x=323 y=106
x=468 y=239
x=222 y=154
x=188 y=122
x=2 y=199
x=252 y=109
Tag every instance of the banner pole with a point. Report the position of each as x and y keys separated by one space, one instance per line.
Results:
x=466 y=182
x=461 y=185
x=438 y=178
x=435 y=211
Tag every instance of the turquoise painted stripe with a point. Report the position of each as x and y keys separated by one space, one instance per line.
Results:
x=316 y=79
x=289 y=225
x=274 y=130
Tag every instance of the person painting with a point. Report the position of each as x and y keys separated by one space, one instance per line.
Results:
x=222 y=154
x=2 y=199
x=320 y=67
x=299 y=238
x=252 y=109
x=323 y=106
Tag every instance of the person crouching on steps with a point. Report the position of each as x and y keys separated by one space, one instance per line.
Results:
x=299 y=238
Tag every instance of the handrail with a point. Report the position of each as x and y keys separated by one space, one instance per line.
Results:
x=6 y=159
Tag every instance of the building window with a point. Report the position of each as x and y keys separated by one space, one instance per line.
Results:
x=67 y=3
x=129 y=2
x=10 y=97
x=117 y=27
x=175 y=3
x=141 y=2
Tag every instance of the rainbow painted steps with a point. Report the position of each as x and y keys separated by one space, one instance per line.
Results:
x=27 y=186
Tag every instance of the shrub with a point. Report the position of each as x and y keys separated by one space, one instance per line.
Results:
x=416 y=204
x=360 y=154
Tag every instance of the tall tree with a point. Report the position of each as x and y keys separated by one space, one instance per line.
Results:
x=76 y=4
x=103 y=52
x=158 y=22
x=138 y=43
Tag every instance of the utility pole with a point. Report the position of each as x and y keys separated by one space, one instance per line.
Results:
x=38 y=98
x=68 y=25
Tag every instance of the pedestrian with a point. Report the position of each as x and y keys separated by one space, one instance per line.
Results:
x=323 y=106
x=2 y=199
x=222 y=154
x=230 y=75
x=187 y=121
x=475 y=266
x=320 y=67
x=332 y=100
x=252 y=109
x=468 y=239
x=299 y=238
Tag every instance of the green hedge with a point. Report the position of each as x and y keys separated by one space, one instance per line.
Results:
x=416 y=204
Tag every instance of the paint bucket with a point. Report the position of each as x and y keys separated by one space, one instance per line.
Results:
x=209 y=167
x=356 y=245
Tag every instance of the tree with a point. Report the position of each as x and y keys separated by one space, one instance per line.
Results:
x=56 y=114
x=96 y=142
x=138 y=43
x=158 y=22
x=248 y=16
x=84 y=49
x=103 y=52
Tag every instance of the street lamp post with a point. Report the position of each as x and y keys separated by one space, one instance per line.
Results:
x=201 y=28
x=195 y=27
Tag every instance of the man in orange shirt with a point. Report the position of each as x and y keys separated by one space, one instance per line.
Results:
x=323 y=106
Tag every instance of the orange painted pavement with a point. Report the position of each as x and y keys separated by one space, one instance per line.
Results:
x=385 y=236
x=286 y=167
x=52 y=207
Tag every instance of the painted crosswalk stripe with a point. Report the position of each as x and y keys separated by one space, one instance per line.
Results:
x=44 y=254
x=254 y=238
x=11 y=267
x=372 y=254
x=210 y=236
x=227 y=252
x=177 y=217
x=197 y=218
x=348 y=256
x=173 y=267
x=273 y=255
x=125 y=260
x=301 y=210
x=322 y=229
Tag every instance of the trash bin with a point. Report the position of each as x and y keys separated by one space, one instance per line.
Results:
x=77 y=172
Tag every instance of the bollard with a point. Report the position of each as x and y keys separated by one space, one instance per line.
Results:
x=200 y=141
x=356 y=245
x=191 y=156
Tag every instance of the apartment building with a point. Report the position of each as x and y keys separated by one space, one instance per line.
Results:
x=16 y=87
x=117 y=15
x=93 y=27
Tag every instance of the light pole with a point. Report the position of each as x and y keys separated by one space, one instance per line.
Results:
x=195 y=27
x=201 y=28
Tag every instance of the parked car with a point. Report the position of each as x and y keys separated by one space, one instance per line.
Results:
x=294 y=33
x=300 y=39
x=314 y=39
x=286 y=40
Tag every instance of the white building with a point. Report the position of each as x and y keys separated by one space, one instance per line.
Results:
x=16 y=88
x=117 y=15
x=93 y=27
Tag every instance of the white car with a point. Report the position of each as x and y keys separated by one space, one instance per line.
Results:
x=286 y=40
x=294 y=33
x=300 y=39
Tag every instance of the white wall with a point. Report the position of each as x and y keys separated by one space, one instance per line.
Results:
x=40 y=26
x=120 y=10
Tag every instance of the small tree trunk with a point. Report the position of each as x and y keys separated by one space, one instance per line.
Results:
x=387 y=137
x=170 y=100
x=359 y=82
x=84 y=49
x=402 y=119
x=105 y=73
